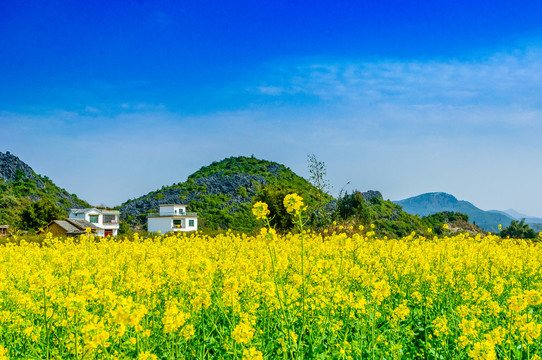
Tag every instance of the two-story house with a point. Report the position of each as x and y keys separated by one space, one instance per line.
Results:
x=172 y=218
x=106 y=221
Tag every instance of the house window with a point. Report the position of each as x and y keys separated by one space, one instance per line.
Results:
x=93 y=218
x=110 y=219
x=177 y=224
x=175 y=212
x=191 y=223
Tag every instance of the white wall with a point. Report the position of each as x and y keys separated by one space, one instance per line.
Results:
x=170 y=210
x=165 y=224
x=94 y=212
x=77 y=216
x=155 y=224
x=191 y=228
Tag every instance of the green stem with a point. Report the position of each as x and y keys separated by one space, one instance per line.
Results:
x=300 y=341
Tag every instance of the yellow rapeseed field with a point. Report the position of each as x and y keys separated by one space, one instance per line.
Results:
x=270 y=296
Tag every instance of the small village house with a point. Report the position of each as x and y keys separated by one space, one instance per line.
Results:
x=105 y=221
x=172 y=218
x=69 y=227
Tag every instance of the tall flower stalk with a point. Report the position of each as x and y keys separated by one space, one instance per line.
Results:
x=294 y=205
x=261 y=211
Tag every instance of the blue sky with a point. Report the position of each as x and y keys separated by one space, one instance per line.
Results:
x=113 y=99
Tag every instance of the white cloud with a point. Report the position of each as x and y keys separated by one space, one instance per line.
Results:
x=507 y=78
x=271 y=90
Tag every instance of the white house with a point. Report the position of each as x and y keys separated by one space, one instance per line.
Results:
x=106 y=221
x=172 y=218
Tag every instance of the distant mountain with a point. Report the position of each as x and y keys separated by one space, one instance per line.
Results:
x=534 y=222
x=515 y=215
x=20 y=185
x=431 y=203
x=221 y=193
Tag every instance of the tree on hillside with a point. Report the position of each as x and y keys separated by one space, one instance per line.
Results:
x=317 y=170
x=273 y=196
x=353 y=205
x=437 y=220
x=518 y=230
x=39 y=214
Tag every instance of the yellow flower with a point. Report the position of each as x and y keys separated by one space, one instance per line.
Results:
x=188 y=331
x=402 y=311
x=147 y=356
x=484 y=350
x=293 y=203
x=381 y=291
x=440 y=326
x=252 y=354
x=445 y=226
x=531 y=331
x=260 y=210
x=243 y=333
x=3 y=353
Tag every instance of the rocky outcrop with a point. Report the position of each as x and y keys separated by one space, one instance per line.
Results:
x=36 y=187
x=229 y=185
x=235 y=188
x=369 y=195
x=11 y=166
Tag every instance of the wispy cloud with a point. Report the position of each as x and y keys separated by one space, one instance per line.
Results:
x=271 y=90
x=460 y=98
x=507 y=78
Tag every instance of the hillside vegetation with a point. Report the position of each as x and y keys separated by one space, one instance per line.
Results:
x=222 y=193
x=20 y=186
x=390 y=220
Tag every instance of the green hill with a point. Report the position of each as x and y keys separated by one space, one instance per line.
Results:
x=430 y=203
x=20 y=186
x=221 y=193
x=392 y=221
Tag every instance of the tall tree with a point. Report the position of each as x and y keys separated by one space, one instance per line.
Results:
x=317 y=177
x=273 y=196
x=518 y=230
x=39 y=213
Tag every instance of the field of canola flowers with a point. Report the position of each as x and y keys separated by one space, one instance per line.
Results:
x=304 y=295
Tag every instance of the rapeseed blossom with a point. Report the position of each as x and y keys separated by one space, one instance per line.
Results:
x=354 y=296
x=3 y=353
x=252 y=354
x=260 y=210
x=293 y=203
